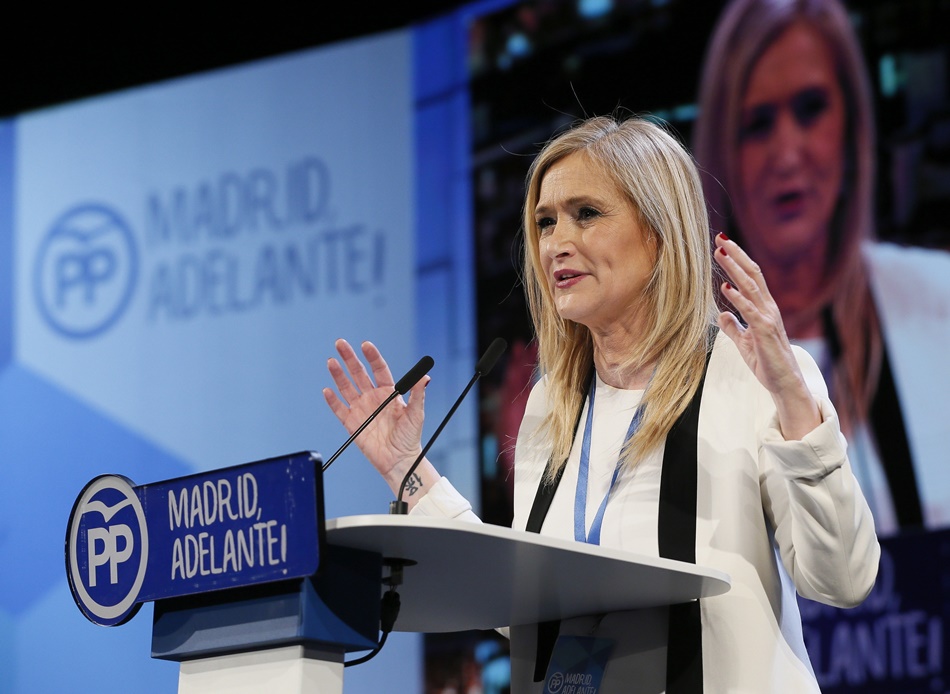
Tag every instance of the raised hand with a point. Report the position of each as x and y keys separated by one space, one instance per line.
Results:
x=392 y=441
x=762 y=341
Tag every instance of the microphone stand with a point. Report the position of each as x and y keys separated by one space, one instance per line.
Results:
x=484 y=365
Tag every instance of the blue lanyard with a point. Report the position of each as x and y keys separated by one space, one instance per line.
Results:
x=580 y=494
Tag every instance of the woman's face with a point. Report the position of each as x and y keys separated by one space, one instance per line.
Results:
x=791 y=150
x=595 y=254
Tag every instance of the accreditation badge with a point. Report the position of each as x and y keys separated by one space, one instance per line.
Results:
x=577 y=665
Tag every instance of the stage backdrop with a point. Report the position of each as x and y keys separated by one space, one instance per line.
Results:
x=176 y=263
x=537 y=66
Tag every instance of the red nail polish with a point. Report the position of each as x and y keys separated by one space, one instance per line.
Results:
x=723 y=251
x=728 y=286
x=723 y=236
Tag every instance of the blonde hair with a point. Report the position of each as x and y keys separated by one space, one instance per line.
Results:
x=659 y=178
x=744 y=32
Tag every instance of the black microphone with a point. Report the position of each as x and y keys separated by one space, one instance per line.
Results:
x=484 y=365
x=403 y=386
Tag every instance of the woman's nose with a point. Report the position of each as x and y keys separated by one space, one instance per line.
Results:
x=787 y=142
x=558 y=242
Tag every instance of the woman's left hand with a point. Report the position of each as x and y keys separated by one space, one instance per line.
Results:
x=762 y=341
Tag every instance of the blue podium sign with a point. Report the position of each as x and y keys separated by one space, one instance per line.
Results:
x=249 y=524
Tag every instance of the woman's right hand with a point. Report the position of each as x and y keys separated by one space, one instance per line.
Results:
x=393 y=441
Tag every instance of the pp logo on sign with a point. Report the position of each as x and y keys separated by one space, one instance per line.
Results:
x=85 y=271
x=107 y=550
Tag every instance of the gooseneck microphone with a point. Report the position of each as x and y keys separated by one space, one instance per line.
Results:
x=484 y=365
x=403 y=386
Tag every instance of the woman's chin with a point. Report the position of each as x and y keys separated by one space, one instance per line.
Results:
x=790 y=243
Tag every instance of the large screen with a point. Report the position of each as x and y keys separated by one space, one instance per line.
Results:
x=871 y=307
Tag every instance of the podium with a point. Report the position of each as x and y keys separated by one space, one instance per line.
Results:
x=463 y=576
x=279 y=611
x=459 y=576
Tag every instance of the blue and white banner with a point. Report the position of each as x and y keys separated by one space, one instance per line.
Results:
x=176 y=262
x=230 y=528
x=172 y=240
x=896 y=640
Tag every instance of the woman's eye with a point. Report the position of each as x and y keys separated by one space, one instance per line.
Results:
x=808 y=105
x=757 y=123
x=545 y=224
x=587 y=213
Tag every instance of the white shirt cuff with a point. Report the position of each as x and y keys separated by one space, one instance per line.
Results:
x=444 y=501
x=820 y=452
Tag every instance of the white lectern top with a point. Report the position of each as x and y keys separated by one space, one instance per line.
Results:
x=478 y=576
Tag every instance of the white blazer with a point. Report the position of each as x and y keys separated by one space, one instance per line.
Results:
x=775 y=515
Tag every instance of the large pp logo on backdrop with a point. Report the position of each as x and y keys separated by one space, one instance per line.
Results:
x=85 y=271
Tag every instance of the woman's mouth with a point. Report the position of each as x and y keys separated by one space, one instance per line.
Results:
x=564 y=279
x=789 y=205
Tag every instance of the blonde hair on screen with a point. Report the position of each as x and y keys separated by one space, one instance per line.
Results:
x=746 y=29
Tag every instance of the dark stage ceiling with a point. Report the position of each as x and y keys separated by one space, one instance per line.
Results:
x=49 y=55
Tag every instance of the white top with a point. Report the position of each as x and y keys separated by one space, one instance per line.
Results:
x=774 y=515
x=911 y=288
x=630 y=520
x=862 y=452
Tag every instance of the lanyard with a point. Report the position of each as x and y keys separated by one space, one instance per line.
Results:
x=580 y=494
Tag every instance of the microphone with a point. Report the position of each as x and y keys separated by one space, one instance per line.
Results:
x=403 y=386
x=484 y=365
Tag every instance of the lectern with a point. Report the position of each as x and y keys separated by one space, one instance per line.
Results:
x=254 y=591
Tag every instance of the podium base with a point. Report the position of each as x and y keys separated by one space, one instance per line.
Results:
x=289 y=670
x=336 y=609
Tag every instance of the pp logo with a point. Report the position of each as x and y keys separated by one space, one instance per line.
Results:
x=555 y=683
x=85 y=271
x=107 y=550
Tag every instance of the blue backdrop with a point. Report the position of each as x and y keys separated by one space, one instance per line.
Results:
x=177 y=261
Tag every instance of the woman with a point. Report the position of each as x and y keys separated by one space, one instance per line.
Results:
x=645 y=408
x=786 y=142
